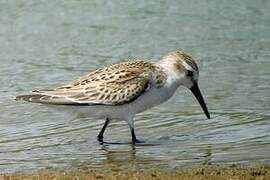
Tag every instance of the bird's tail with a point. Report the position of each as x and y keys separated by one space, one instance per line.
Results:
x=38 y=98
x=43 y=98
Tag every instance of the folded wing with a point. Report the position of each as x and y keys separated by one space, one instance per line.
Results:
x=113 y=85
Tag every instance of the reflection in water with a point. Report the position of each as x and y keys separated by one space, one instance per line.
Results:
x=126 y=156
x=208 y=156
x=114 y=156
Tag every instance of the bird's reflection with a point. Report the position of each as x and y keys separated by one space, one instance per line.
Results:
x=128 y=155
x=208 y=156
x=115 y=155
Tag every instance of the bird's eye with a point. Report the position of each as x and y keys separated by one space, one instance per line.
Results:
x=189 y=73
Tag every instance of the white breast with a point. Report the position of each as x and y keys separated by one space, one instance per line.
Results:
x=151 y=98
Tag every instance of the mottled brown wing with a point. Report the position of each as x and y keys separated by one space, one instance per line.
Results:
x=113 y=85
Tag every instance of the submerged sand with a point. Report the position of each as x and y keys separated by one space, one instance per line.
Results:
x=183 y=174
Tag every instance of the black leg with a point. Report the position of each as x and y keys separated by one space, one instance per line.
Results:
x=100 y=135
x=134 y=139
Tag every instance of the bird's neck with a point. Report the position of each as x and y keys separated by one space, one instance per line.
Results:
x=173 y=77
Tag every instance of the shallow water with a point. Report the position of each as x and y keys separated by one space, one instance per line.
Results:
x=45 y=44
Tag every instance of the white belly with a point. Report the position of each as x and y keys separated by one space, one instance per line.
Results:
x=151 y=98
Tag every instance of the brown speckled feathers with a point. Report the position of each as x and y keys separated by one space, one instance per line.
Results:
x=113 y=85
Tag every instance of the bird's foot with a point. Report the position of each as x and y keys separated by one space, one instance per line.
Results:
x=100 y=139
x=136 y=141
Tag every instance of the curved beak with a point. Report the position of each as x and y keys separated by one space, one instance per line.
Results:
x=197 y=93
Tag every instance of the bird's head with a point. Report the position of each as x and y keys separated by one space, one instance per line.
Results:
x=186 y=73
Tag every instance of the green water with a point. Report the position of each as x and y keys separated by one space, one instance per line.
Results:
x=48 y=43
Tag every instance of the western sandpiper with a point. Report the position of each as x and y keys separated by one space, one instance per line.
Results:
x=120 y=91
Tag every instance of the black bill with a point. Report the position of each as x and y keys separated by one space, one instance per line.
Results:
x=197 y=93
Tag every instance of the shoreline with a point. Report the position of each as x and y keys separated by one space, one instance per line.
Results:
x=203 y=172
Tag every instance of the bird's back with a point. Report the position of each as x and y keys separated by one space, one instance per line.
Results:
x=113 y=85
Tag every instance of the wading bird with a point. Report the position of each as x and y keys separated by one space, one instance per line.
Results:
x=120 y=91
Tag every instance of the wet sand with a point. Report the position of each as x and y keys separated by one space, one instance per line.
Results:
x=185 y=174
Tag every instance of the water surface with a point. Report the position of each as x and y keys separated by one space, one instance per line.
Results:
x=48 y=43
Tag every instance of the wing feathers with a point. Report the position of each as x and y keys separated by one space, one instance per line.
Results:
x=113 y=85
